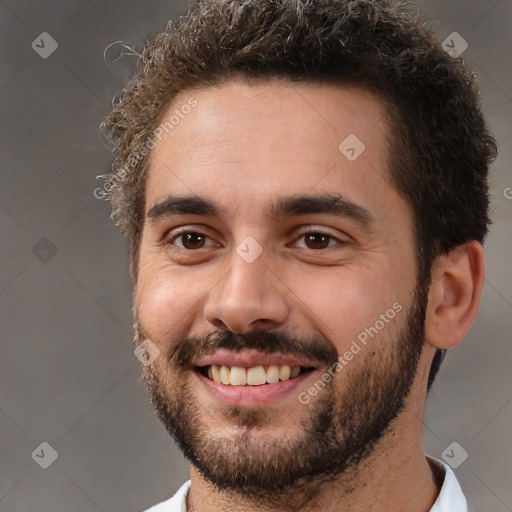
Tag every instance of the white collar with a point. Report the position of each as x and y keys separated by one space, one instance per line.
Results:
x=450 y=498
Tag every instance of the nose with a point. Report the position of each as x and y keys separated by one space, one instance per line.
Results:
x=248 y=296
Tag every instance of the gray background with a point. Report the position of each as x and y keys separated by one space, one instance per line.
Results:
x=68 y=376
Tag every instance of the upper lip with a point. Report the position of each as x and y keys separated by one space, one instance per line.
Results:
x=249 y=359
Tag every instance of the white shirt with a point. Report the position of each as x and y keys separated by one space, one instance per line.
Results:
x=450 y=499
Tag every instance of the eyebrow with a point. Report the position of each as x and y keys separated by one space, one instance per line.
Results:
x=332 y=204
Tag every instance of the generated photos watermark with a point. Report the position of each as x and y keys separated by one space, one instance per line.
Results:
x=362 y=339
x=165 y=127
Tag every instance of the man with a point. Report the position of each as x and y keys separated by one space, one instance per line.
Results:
x=303 y=185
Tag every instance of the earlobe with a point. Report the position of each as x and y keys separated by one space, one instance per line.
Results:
x=454 y=295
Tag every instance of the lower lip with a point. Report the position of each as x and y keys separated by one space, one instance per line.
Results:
x=253 y=396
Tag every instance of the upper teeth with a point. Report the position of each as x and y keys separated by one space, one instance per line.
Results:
x=255 y=376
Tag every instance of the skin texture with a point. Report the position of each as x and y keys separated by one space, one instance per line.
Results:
x=243 y=147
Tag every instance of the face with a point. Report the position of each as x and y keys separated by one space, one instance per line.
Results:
x=277 y=277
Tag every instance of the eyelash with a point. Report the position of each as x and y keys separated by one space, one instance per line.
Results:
x=170 y=241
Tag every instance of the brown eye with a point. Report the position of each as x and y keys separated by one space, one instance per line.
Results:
x=190 y=240
x=317 y=240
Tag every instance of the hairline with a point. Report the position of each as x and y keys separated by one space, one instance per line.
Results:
x=234 y=76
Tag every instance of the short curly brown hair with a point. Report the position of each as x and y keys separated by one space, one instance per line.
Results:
x=441 y=151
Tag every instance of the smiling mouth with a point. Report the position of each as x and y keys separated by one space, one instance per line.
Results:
x=254 y=376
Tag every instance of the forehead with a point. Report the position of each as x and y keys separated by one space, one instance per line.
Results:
x=252 y=143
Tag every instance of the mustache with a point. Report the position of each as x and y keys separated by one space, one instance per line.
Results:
x=316 y=349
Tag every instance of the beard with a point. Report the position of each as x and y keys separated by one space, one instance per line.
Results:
x=337 y=430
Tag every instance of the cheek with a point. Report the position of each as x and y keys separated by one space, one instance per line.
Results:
x=345 y=302
x=164 y=301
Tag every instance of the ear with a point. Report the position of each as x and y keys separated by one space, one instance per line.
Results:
x=454 y=295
